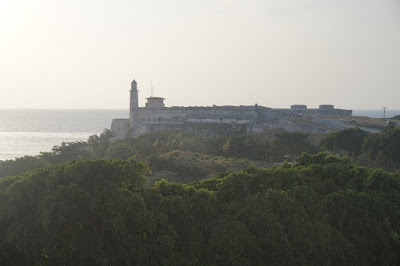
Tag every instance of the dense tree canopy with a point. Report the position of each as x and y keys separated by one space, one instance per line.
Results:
x=373 y=150
x=320 y=210
x=156 y=144
x=348 y=140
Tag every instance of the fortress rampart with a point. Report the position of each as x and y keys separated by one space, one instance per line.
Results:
x=155 y=116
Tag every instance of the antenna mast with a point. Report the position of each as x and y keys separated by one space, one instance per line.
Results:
x=151 y=88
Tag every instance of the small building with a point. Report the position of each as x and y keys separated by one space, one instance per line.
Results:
x=326 y=107
x=298 y=107
x=155 y=103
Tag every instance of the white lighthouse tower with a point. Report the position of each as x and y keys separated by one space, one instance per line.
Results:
x=134 y=100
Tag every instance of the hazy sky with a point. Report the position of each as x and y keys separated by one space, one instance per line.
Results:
x=85 y=53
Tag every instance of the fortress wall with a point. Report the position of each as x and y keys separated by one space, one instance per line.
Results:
x=120 y=128
x=318 y=112
x=197 y=128
x=148 y=120
x=179 y=114
x=213 y=129
x=275 y=113
x=141 y=128
x=288 y=125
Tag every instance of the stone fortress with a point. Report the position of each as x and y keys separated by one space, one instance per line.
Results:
x=209 y=120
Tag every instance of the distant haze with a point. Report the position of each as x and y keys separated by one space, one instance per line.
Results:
x=84 y=54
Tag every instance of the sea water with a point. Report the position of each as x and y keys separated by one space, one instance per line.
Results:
x=376 y=113
x=28 y=132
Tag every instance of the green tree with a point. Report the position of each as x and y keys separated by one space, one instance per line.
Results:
x=391 y=145
x=318 y=210
x=348 y=140
x=22 y=164
x=291 y=144
x=120 y=149
x=372 y=146
x=98 y=145
x=247 y=146
x=80 y=212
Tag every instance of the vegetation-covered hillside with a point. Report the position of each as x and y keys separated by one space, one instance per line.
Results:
x=185 y=158
x=170 y=198
x=381 y=150
x=176 y=156
x=320 y=210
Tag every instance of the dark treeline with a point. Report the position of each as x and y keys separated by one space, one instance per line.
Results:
x=322 y=210
x=380 y=150
x=150 y=148
x=105 y=203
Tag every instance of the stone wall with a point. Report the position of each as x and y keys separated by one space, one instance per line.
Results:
x=319 y=112
x=290 y=126
x=203 y=127
x=180 y=114
x=120 y=128
x=145 y=127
